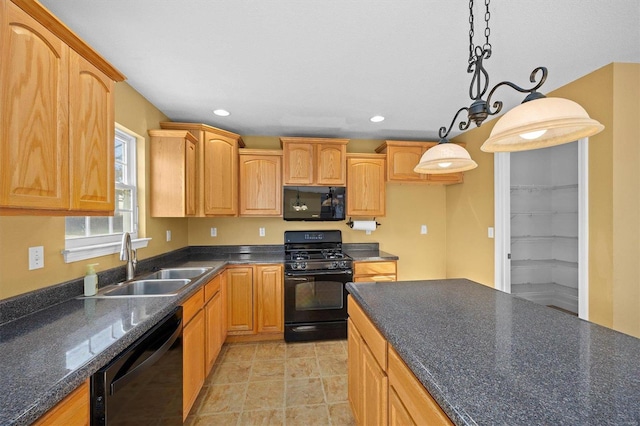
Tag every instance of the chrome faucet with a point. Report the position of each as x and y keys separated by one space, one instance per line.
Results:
x=128 y=254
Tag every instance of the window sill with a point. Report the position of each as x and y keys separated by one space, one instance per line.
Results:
x=89 y=252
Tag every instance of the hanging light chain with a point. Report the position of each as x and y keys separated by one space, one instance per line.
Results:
x=486 y=47
x=471 y=33
x=487 y=30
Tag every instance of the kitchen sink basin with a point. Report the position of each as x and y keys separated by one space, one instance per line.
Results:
x=146 y=288
x=176 y=273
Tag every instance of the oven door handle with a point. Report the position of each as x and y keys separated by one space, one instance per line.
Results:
x=315 y=273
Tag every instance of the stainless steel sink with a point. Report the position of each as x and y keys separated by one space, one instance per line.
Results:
x=176 y=273
x=146 y=288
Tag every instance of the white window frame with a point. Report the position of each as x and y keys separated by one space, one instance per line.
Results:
x=82 y=248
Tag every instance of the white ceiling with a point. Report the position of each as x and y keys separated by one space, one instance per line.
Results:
x=324 y=67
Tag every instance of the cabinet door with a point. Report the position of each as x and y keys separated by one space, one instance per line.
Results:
x=398 y=413
x=191 y=189
x=402 y=160
x=72 y=410
x=298 y=163
x=374 y=390
x=193 y=362
x=91 y=137
x=240 y=300
x=213 y=342
x=260 y=185
x=34 y=99
x=220 y=176
x=354 y=370
x=330 y=164
x=366 y=194
x=270 y=299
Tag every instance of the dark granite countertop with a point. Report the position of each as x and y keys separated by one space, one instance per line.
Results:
x=370 y=255
x=47 y=354
x=489 y=358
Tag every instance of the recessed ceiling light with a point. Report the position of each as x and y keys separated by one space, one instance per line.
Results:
x=376 y=119
x=221 y=112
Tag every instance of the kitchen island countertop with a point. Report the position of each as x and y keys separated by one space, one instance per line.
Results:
x=490 y=358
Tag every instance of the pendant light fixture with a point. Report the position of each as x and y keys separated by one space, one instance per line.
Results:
x=538 y=122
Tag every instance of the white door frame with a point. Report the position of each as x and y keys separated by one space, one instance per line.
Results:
x=502 y=263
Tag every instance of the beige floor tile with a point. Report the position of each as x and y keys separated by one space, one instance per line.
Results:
x=262 y=417
x=335 y=388
x=223 y=419
x=231 y=372
x=272 y=350
x=301 y=350
x=267 y=370
x=263 y=395
x=298 y=368
x=341 y=415
x=333 y=365
x=307 y=415
x=330 y=347
x=223 y=398
x=240 y=352
x=304 y=392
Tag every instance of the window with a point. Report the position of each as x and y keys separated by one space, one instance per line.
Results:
x=91 y=236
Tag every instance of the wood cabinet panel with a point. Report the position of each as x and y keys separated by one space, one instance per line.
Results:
x=173 y=173
x=240 y=299
x=260 y=183
x=366 y=192
x=91 y=137
x=354 y=366
x=403 y=156
x=314 y=161
x=34 y=102
x=374 y=387
x=213 y=341
x=72 y=410
x=193 y=361
x=420 y=405
x=374 y=268
x=330 y=164
x=298 y=163
x=220 y=176
x=398 y=413
x=370 y=334
x=191 y=307
x=270 y=296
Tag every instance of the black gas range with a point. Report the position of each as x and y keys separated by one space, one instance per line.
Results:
x=316 y=271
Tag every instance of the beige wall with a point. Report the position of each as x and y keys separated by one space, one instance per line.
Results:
x=19 y=233
x=610 y=95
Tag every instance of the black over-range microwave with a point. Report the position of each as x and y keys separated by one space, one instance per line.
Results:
x=314 y=203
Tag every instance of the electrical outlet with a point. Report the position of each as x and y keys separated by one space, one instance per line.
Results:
x=490 y=232
x=262 y=232
x=423 y=229
x=168 y=235
x=36 y=257
x=214 y=232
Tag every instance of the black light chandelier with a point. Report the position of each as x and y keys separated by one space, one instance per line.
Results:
x=531 y=125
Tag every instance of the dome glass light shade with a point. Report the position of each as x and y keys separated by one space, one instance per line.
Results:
x=541 y=123
x=446 y=157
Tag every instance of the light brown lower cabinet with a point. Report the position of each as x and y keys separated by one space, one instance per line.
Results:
x=193 y=350
x=72 y=410
x=382 y=389
x=375 y=271
x=213 y=321
x=255 y=297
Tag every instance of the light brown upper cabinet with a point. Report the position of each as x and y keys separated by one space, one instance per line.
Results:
x=366 y=194
x=314 y=161
x=173 y=173
x=217 y=168
x=57 y=107
x=403 y=156
x=260 y=182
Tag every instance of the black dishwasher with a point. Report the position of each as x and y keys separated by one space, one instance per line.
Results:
x=143 y=384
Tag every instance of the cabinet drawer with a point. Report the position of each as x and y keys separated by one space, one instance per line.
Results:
x=211 y=288
x=370 y=334
x=374 y=268
x=192 y=306
x=374 y=278
x=419 y=403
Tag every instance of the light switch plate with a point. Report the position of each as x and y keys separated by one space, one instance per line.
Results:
x=168 y=235
x=262 y=232
x=36 y=257
x=214 y=232
x=490 y=232
x=423 y=229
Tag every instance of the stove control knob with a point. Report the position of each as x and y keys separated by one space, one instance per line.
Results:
x=334 y=265
x=303 y=265
x=344 y=264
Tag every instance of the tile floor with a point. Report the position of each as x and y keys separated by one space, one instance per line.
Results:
x=276 y=383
